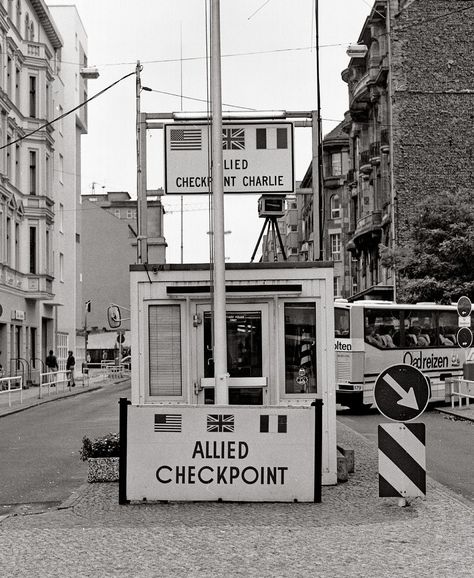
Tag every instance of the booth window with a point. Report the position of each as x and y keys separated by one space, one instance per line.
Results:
x=300 y=347
x=244 y=344
x=165 y=366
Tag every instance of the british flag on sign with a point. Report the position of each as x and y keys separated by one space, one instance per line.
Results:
x=220 y=423
x=233 y=139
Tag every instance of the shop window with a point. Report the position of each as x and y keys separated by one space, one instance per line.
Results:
x=300 y=348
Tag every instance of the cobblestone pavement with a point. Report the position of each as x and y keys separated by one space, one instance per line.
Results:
x=352 y=533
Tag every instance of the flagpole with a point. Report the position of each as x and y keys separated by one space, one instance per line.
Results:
x=220 y=333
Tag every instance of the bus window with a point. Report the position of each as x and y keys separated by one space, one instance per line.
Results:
x=300 y=347
x=420 y=330
x=342 y=322
x=448 y=327
x=382 y=328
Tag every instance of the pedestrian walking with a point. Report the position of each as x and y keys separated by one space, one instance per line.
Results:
x=70 y=364
x=52 y=365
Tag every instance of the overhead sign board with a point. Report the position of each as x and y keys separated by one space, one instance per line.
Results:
x=257 y=158
x=401 y=392
x=220 y=453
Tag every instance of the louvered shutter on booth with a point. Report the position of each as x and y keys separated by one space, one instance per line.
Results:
x=165 y=350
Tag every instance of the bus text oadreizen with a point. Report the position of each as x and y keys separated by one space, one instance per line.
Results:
x=421 y=361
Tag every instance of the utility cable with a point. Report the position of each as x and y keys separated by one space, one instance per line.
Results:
x=66 y=113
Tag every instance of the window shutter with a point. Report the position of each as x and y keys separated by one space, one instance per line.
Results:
x=165 y=371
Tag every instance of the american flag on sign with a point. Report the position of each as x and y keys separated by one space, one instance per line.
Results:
x=233 y=139
x=168 y=422
x=220 y=423
x=185 y=139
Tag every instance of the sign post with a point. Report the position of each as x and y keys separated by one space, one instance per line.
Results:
x=401 y=394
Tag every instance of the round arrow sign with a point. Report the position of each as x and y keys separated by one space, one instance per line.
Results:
x=464 y=306
x=464 y=337
x=401 y=392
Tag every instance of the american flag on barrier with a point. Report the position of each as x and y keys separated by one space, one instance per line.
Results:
x=233 y=139
x=168 y=422
x=220 y=423
x=185 y=139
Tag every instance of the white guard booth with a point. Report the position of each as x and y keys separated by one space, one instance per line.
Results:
x=280 y=340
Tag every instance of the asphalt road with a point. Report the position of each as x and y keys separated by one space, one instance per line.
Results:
x=449 y=445
x=39 y=447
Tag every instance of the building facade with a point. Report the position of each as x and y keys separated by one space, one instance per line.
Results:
x=109 y=247
x=410 y=126
x=38 y=188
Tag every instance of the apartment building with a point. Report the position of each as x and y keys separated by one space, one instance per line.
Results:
x=409 y=126
x=37 y=272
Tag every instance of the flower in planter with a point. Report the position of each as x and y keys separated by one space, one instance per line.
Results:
x=107 y=446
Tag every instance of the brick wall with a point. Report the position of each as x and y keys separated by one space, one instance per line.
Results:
x=433 y=102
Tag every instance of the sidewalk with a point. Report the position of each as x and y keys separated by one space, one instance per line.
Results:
x=14 y=402
x=352 y=533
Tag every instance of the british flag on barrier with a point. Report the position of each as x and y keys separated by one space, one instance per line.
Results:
x=220 y=423
x=233 y=139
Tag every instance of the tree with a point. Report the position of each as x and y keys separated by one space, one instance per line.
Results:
x=437 y=264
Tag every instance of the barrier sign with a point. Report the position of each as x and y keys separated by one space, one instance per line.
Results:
x=232 y=453
x=257 y=158
x=402 y=460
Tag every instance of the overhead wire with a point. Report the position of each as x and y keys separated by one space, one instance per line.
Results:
x=51 y=122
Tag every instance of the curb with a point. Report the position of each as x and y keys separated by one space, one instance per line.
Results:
x=457 y=415
x=38 y=402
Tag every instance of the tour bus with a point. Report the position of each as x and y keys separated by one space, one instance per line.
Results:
x=373 y=335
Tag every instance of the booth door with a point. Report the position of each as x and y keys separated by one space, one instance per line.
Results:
x=247 y=353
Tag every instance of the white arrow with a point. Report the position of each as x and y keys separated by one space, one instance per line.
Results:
x=408 y=398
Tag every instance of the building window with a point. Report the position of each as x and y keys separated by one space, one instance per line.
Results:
x=336 y=164
x=32 y=110
x=117 y=213
x=335 y=207
x=17 y=86
x=33 y=173
x=33 y=248
x=9 y=77
x=336 y=286
x=60 y=122
x=61 y=168
x=335 y=241
x=48 y=252
x=61 y=267
x=9 y=241
x=17 y=247
x=9 y=157
x=131 y=214
x=61 y=217
x=17 y=166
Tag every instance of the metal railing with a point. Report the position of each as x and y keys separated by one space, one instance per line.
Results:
x=6 y=387
x=458 y=388
x=53 y=382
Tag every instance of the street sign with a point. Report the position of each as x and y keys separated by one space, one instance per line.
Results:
x=402 y=460
x=464 y=337
x=464 y=306
x=401 y=392
x=257 y=158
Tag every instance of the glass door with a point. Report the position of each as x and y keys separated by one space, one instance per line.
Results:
x=247 y=353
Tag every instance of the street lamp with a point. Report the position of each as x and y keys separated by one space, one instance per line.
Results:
x=89 y=73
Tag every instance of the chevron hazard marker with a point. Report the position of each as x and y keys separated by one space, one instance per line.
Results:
x=402 y=460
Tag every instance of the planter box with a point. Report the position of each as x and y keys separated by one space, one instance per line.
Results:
x=103 y=470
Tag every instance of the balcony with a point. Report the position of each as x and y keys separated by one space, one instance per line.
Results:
x=29 y=286
x=368 y=230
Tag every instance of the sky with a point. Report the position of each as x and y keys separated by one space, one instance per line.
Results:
x=268 y=63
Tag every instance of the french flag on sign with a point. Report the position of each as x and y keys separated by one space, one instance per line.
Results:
x=273 y=424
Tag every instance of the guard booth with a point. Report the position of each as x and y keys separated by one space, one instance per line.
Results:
x=280 y=343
